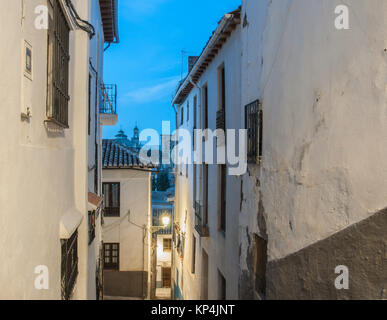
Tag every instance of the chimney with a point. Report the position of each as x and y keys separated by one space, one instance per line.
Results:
x=191 y=62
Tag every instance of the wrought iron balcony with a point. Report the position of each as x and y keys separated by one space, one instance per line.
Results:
x=201 y=223
x=108 y=102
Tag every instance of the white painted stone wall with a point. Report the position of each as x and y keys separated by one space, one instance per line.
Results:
x=222 y=250
x=43 y=174
x=325 y=119
x=131 y=231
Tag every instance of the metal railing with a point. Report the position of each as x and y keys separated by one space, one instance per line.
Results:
x=108 y=96
x=69 y=268
x=201 y=223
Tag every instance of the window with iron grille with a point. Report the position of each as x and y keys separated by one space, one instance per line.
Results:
x=167 y=245
x=111 y=195
x=69 y=268
x=112 y=256
x=58 y=67
x=254 y=126
x=182 y=116
x=91 y=220
x=193 y=261
x=222 y=197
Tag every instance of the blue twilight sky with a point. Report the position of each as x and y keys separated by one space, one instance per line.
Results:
x=146 y=64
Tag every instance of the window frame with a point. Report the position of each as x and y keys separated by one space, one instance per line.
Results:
x=109 y=247
x=167 y=248
x=69 y=265
x=110 y=211
x=58 y=67
x=254 y=127
x=91 y=225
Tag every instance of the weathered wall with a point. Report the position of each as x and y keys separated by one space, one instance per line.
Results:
x=310 y=272
x=324 y=133
x=132 y=284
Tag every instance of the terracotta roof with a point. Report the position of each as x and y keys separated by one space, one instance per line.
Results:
x=95 y=200
x=117 y=156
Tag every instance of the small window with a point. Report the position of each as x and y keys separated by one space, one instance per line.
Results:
x=91 y=223
x=111 y=194
x=187 y=111
x=254 y=126
x=221 y=287
x=222 y=197
x=260 y=261
x=205 y=105
x=182 y=116
x=193 y=263
x=29 y=59
x=69 y=265
x=167 y=245
x=112 y=256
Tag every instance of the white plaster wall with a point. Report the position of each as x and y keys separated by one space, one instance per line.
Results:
x=43 y=174
x=163 y=257
x=222 y=250
x=133 y=236
x=325 y=132
x=96 y=71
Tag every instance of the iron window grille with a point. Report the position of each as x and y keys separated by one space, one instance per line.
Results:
x=201 y=225
x=112 y=256
x=254 y=126
x=91 y=219
x=111 y=194
x=58 y=67
x=69 y=268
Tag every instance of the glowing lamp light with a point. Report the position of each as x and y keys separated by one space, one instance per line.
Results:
x=166 y=221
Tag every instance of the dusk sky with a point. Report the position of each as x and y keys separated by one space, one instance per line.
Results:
x=146 y=64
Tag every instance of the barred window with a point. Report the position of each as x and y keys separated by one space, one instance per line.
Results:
x=91 y=223
x=254 y=126
x=69 y=269
x=58 y=67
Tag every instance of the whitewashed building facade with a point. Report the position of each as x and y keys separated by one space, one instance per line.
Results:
x=52 y=92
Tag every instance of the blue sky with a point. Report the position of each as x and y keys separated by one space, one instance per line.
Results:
x=146 y=64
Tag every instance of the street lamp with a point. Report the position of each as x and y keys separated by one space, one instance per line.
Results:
x=166 y=220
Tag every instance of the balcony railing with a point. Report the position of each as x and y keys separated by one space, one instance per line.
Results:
x=108 y=104
x=201 y=223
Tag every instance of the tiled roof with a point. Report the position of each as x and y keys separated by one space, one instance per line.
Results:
x=117 y=156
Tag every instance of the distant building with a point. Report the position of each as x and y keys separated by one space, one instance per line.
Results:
x=133 y=142
x=127 y=222
x=162 y=206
